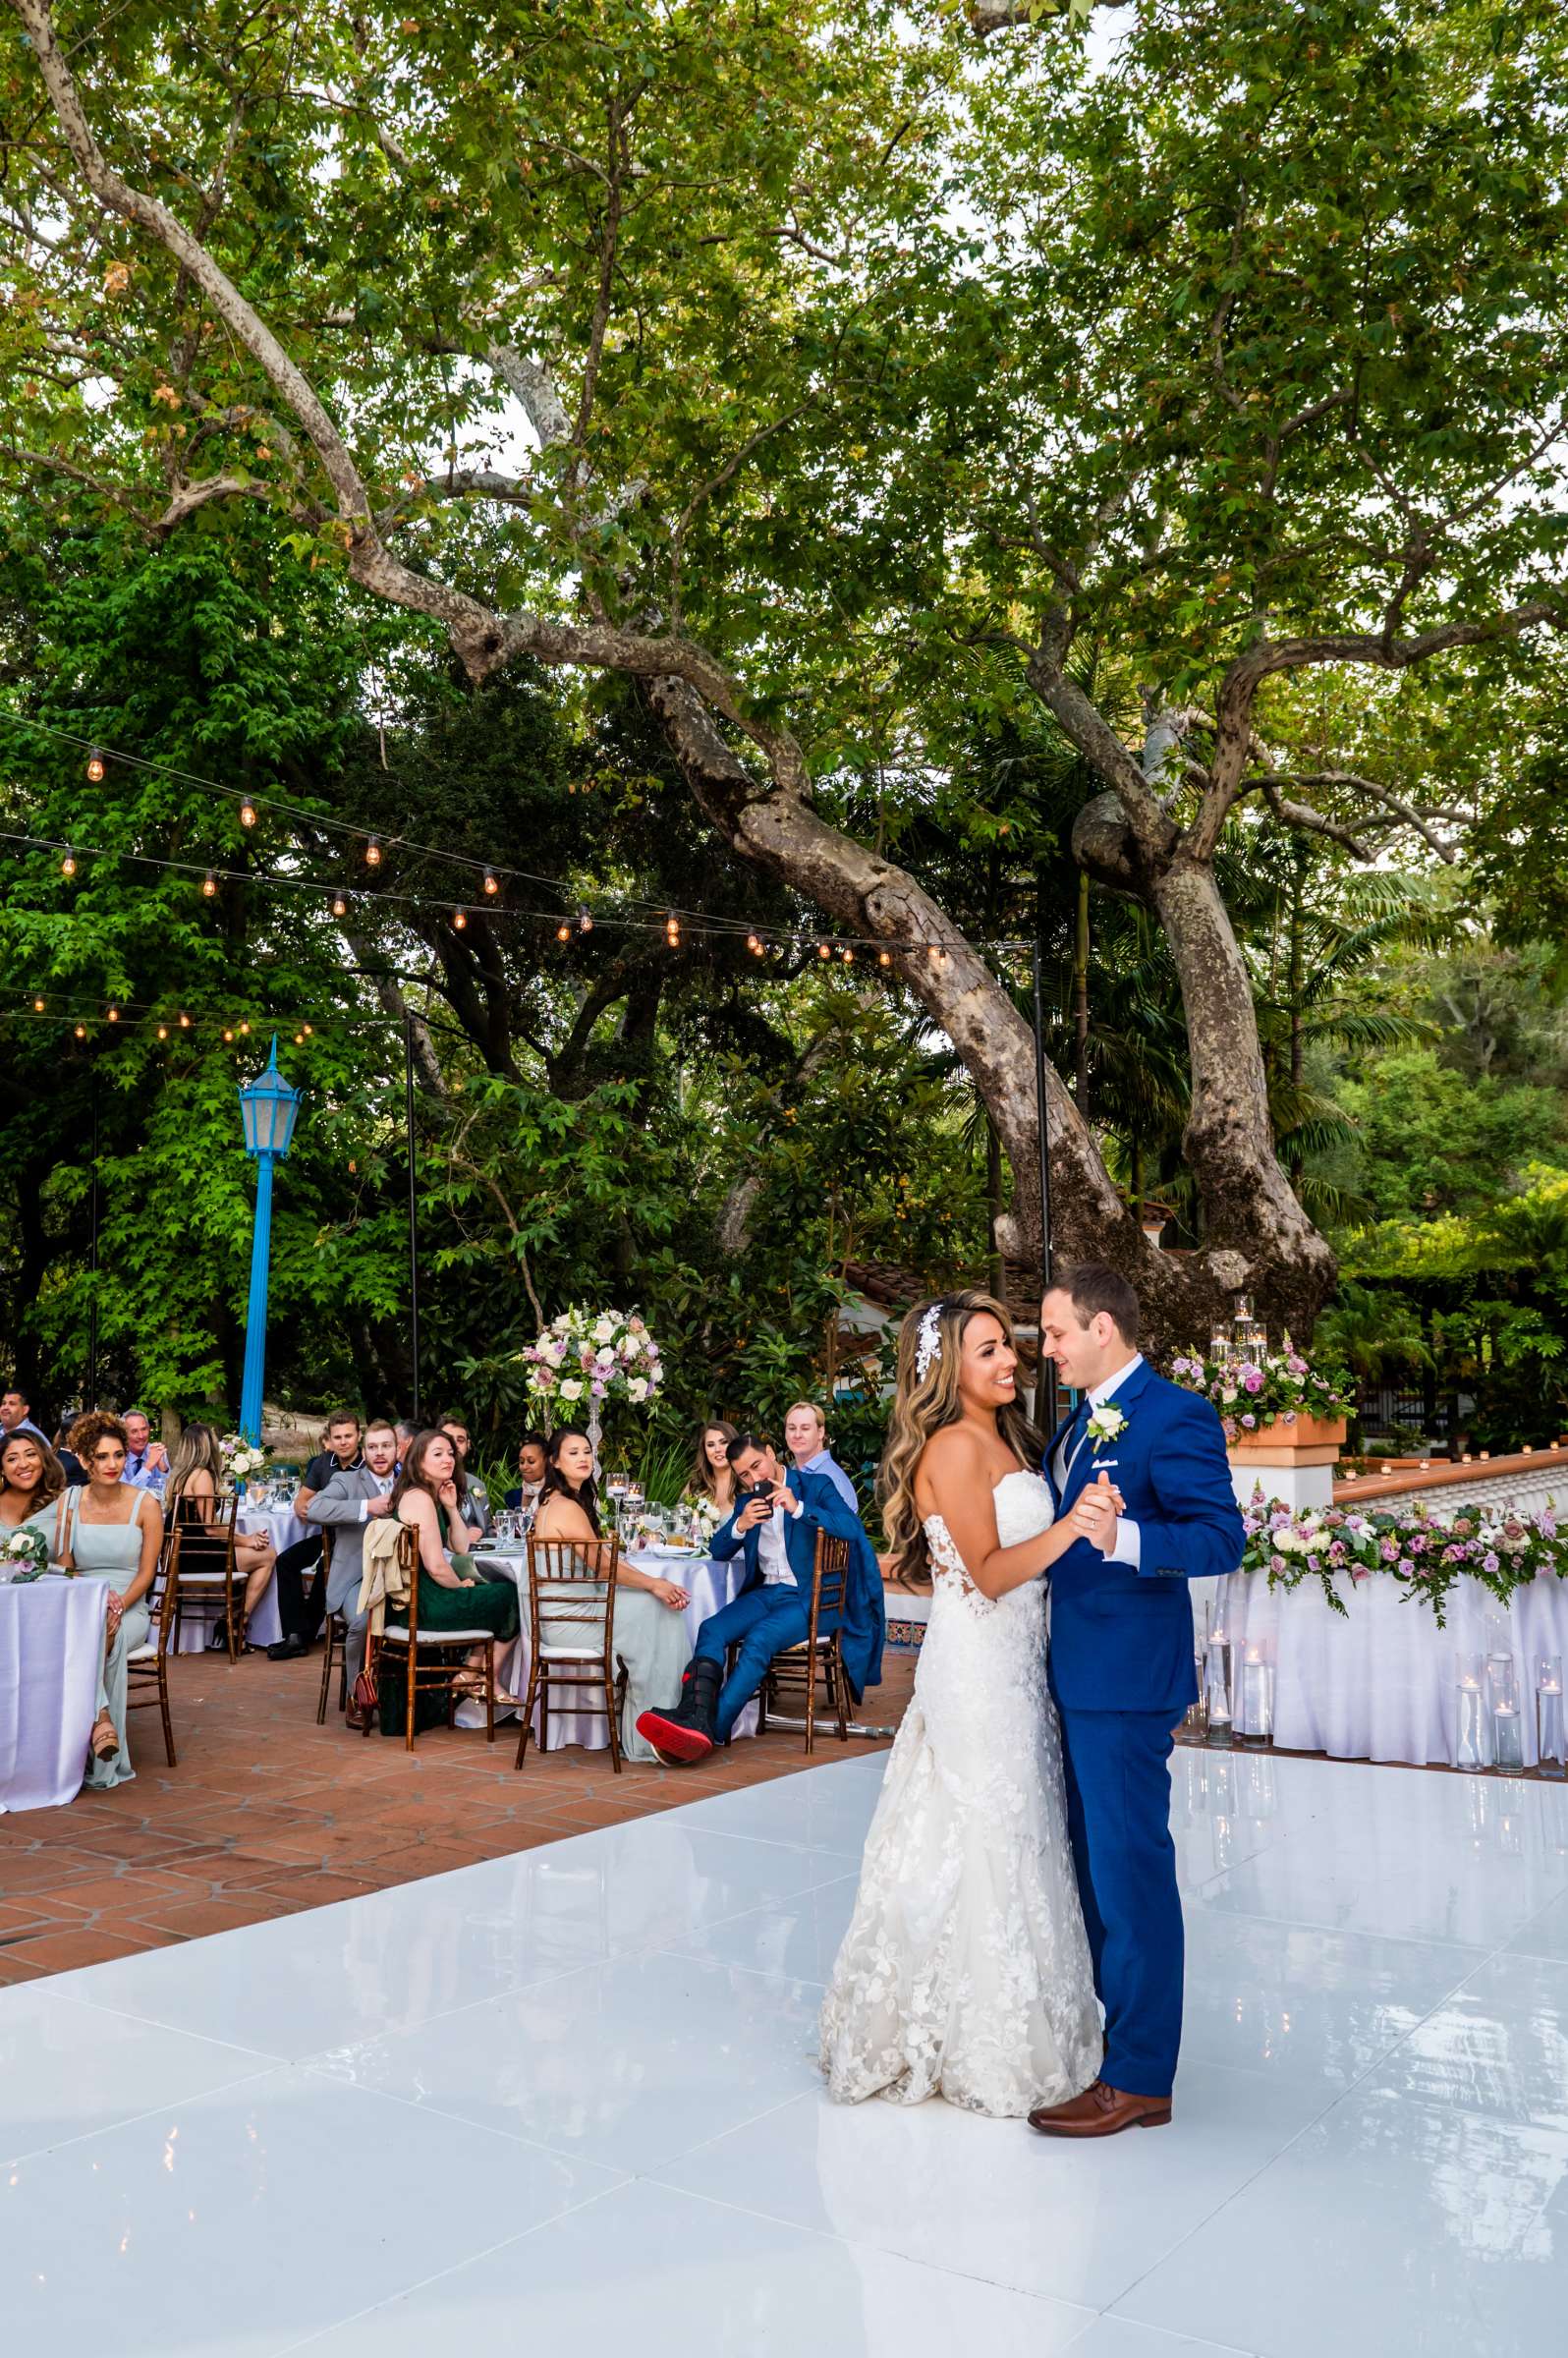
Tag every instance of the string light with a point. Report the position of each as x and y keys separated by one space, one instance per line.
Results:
x=308 y=1030
x=114 y=1014
x=884 y=957
x=81 y=1030
x=210 y=886
x=672 y=929
x=163 y=1031
x=823 y=950
x=753 y=944
x=339 y=907
x=184 y=1021
x=227 y=1034
x=372 y=853
x=248 y=812
x=95 y=766
x=68 y=865
x=585 y=919
x=460 y=919
x=298 y=1040
x=37 y=1006
x=847 y=954
x=492 y=883
x=563 y=932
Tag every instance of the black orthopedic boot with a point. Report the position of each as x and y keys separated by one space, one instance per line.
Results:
x=686 y=1734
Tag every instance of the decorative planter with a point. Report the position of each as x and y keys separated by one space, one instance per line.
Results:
x=1308 y=1442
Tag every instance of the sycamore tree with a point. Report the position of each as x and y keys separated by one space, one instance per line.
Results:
x=815 y=368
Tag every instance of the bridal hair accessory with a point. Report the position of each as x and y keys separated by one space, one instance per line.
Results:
x=928 y=1346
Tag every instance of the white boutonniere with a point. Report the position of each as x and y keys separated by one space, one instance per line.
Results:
x=1106 y=1425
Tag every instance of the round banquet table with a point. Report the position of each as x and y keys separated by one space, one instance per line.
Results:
x=708 y=1585
x=52 y=1634
x=284 y=1529
x=1379 y=1685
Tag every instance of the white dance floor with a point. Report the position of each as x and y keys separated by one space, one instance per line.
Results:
x=565 y=2101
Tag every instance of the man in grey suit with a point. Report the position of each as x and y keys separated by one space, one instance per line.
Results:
x=344 y=1508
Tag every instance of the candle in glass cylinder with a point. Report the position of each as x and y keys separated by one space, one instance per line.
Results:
x=1257 y=1726
x=1551 y=1752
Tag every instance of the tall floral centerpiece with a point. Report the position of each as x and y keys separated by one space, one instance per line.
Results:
x=588 y=1358
x=243 y=1461
x=1267 y=1398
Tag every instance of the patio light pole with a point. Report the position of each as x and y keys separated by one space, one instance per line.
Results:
x=269 y=1108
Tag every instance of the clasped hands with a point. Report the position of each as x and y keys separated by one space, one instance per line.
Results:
x=1096 y=1511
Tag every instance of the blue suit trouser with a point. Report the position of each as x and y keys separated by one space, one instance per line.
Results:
x=762 y=1623
x=1118 y=1819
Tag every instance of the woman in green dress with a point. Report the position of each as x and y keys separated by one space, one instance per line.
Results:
x=110 y=1529
x=426 y=1497
x=32 y=1479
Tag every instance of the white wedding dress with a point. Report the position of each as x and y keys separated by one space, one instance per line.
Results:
x=965 y=1972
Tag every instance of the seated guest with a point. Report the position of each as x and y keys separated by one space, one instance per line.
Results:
x=710 y=1490
x=75 y=1470
x=147 y=1461
x=32 y=1479
x=530 y=1455
x=16 y=1413
x=775 y=1524
x=449 y=1596
x=406 y=1435
x=109 y=1530
x=650 y=1624
x=302 y=1614
x=351 y=1501
x=195 y=1476
x=806 y=1439
x=471 y=1491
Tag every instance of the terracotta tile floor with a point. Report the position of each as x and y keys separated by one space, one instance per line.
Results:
x=268 y=1813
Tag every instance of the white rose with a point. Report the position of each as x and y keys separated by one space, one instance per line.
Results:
x=637 y=1387
x=571 y=1388
x=1289 y=1543
x=604 y=1330
x=604 y=1359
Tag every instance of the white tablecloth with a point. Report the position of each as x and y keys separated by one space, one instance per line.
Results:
x=1379 y=1686
x=708 y=1585
x=51 y=1650
x=282 y=1528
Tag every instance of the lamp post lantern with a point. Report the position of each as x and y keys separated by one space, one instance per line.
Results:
x=269 y=1108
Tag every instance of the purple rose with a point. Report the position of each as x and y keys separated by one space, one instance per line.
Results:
x=1313 y=1565
x=1252 y=1379
x=1337 y=1551
x=1248 y=1424
x=1406 y=1567
x=1389 y=1552
x=1489 y=1562
x=1276 y=1563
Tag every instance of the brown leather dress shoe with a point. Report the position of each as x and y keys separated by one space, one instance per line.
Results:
x=1101 y=2111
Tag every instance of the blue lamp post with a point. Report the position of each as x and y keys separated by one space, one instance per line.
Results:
x=269 y=1108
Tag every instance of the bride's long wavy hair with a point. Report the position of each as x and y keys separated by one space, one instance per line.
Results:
x=924 y=1404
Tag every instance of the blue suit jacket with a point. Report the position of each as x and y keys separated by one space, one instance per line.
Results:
x=1122 y=1641
x=864 y=1618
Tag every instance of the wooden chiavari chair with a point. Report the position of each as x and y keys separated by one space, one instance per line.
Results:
x=336 y=1626
x=200 y=1565
x=148 y=1667
x=426 y=1653
x=572 y=1636
x=819 y=1655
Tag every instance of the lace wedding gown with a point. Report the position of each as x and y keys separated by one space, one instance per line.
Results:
x=965 y=1972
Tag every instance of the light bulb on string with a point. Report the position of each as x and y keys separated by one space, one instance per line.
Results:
x=245 y=1026
x=884 y=957
x=372 y=853
x=563 y=932
x=460 y=919
x=672 y=929
x=114 y=1014
x=227 y=1034
x=823 y=950
x=247 y=814
x=81 y=1030
x=492 y=883
x=307 y=1029
x=754 y=946
x=184 y=1022
x=209 y=885
x=95 y=767
x=298 y=1040
x=847 y=954
x=339 y=907
x=163 y=1031
x=585 y=919
x=68 y=865
x=37 y=1006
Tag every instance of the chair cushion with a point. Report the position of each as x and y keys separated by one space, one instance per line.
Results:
x=144 y=1654
x=396 y=1635
x=571 y=1654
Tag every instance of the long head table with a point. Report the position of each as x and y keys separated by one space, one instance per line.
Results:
x=1379 y=1683
x=51 y=1653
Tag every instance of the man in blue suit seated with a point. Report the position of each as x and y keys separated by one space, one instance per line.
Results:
x=775 y=1524
x=1120 y=1667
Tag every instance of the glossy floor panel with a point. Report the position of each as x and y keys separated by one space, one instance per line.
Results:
x=571 y=2093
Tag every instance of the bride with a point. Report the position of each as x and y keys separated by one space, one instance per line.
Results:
x=966 y=1972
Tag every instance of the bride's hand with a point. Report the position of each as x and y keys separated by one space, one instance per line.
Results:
x=1096 y=1513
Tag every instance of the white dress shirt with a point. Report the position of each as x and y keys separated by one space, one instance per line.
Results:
x=1127 y=1547
x=772 y=1555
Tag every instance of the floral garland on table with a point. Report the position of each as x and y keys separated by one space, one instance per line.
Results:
x=587 y=1356
x=1269 y=1387
x=25 y=1555
x=1504 y=1553
x=242 y=1460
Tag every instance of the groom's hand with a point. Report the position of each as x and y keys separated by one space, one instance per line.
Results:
x=1096 y=1514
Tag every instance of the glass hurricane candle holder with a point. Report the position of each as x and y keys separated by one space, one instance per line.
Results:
x=1472 y=1720
x=1551 y=1750
x=1507 y=1720
x=1218 y=1691
x=1254 y=1725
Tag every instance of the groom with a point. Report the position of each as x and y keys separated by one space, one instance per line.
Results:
x=1121 y=1670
